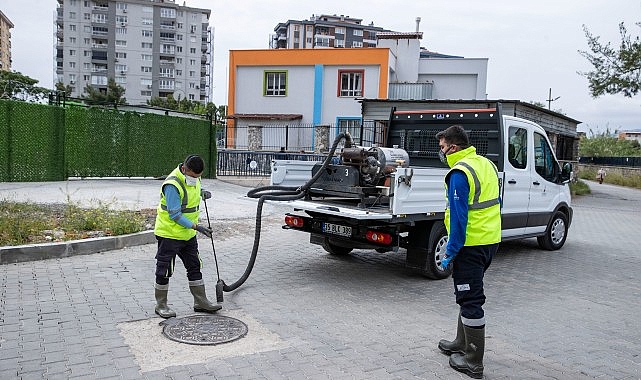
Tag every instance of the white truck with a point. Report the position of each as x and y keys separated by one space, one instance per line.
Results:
x=377 y=198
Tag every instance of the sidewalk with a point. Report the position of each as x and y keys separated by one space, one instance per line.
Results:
x=229 y=202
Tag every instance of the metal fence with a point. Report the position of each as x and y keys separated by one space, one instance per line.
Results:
x=612 y=161
x=256 y=164
x=296 y=137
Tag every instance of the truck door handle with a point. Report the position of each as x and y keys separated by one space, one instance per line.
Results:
x=537 y=183
x=511 y=181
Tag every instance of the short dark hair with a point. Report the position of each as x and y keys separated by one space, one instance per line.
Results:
x=454 y=135
x=194 y=163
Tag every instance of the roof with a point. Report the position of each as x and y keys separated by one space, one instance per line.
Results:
x=472 y=101
x=265 y=116
x=399 y=35
x=432 y=54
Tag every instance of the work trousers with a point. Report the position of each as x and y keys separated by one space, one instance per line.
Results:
x=470 y=265
x=186 y=250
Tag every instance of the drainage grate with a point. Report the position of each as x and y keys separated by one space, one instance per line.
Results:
x=204 y=329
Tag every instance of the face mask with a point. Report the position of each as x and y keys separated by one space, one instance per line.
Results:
x=191 y=181
x=443 y=155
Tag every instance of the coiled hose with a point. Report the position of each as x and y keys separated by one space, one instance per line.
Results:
x=277 y=193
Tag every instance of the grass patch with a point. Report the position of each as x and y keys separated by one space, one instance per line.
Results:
x=632 y=180
x=579 y=188
x=27 y=223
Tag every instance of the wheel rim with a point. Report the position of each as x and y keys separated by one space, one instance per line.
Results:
x=557 y=232
x=439 y=251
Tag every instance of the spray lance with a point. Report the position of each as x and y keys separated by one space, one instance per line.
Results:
x=271 y=193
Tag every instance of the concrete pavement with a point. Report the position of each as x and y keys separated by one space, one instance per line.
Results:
x=568 y=314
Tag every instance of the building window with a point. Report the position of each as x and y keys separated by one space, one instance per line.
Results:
x=72 y=15
x=275 y=83
x=145 y=69
x=121 y=6
x=122 y=43
x=72 y=27
x=192 y=62
x=147 y=21
x=339 y=43
x=191 y=97
x=357 y=44
x=350 y=83
x=351 y=125
x=192 y=73
x=339 y=30
x=121 y=55
x=145 y=93
x=168 y=12
x=99 y=18
x=322 y=41
x=72 y=65
x=192 y=50
x=147 y=33
x=358 y=32
x=86 y=66
x=72 y=40
x=121 y=80
x=146 y=57
x=166 y=72
x=121 y=30
x=120 y=67
x=147 y=10
x=87 y=16
x=72 y=52
x=147 y=45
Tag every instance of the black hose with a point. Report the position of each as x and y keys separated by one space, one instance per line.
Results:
x=280 y=193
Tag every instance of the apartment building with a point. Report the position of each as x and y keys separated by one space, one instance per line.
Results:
x=5 y=42
x=324 y=31
x=150 y=47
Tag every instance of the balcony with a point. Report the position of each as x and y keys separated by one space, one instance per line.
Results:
x=410 y=91
x=204 y=47
x=203 y=59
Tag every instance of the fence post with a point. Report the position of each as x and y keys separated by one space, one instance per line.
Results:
x=321 y=138
x=255 y=137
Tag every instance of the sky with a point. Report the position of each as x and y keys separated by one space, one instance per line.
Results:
x=531 y=46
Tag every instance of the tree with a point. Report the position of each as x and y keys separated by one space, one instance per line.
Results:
x=615 y=70
x=62 y=88
x=606 y=145
x=114 y=96
x=15 y=85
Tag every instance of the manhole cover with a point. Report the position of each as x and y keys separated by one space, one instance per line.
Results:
x=204 y=329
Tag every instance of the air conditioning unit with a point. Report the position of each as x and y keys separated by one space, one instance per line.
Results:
x=72 y=82
x=123 y=72
x=124 y=11
x=123 y=24
x=197 y=87
x=148 y=86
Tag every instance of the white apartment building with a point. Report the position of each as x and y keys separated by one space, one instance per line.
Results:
x=5 y=42
x=324 y=31
x=150 y=47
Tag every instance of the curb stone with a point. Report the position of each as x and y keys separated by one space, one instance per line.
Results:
x=32 y=252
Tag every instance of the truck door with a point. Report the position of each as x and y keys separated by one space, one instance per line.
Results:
x=544 y=194
x=517 y=180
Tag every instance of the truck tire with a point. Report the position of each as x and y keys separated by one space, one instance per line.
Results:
x=333 y=249
x=555 y=233
x=437 y=245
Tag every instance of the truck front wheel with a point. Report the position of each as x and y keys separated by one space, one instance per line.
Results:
x=555 y=234
x=438 y=245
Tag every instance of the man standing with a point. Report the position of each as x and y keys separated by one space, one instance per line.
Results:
x=473 y=222
x=175 y=230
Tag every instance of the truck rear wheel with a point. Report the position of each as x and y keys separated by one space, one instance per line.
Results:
x=555 y=234
x=438 y=245
x=334 y=249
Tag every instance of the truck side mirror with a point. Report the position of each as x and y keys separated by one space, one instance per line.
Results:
x=566 y=173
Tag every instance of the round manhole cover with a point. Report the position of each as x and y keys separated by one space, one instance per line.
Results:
x=204 y=329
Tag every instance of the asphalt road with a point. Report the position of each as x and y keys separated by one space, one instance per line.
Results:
x=567 y=314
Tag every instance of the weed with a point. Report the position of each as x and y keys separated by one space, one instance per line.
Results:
x=579 y=188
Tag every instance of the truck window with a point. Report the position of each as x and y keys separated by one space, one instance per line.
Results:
x=543 y=158
x=517 y=150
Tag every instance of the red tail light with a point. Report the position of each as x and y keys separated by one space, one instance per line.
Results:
x=294 y=221
x=379 y=237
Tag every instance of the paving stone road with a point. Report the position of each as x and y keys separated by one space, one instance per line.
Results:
x=568 y=314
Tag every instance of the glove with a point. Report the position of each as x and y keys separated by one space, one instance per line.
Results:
x=204 y=230
x=446 y=261
x=205 y=194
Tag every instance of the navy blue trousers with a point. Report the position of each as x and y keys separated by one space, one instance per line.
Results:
x=469 y=268
x=186 y=250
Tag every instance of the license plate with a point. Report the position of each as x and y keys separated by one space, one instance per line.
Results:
x=337 y=229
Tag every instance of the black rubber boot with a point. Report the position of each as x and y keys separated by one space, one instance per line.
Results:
x=161 y=301
x=201 y=303
x=458 y=344
x=471 y=363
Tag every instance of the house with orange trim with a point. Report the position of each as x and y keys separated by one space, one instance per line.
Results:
x=320 y=87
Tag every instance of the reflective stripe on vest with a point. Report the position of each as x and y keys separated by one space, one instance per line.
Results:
x=190 y=201
x=484 y=213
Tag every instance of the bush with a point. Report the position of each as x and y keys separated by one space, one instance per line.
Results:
x=579 y=188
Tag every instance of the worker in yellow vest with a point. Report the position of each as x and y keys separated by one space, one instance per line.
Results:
x=175 y=230
x=473 y=222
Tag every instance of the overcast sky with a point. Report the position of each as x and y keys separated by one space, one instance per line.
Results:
x=531 y=46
